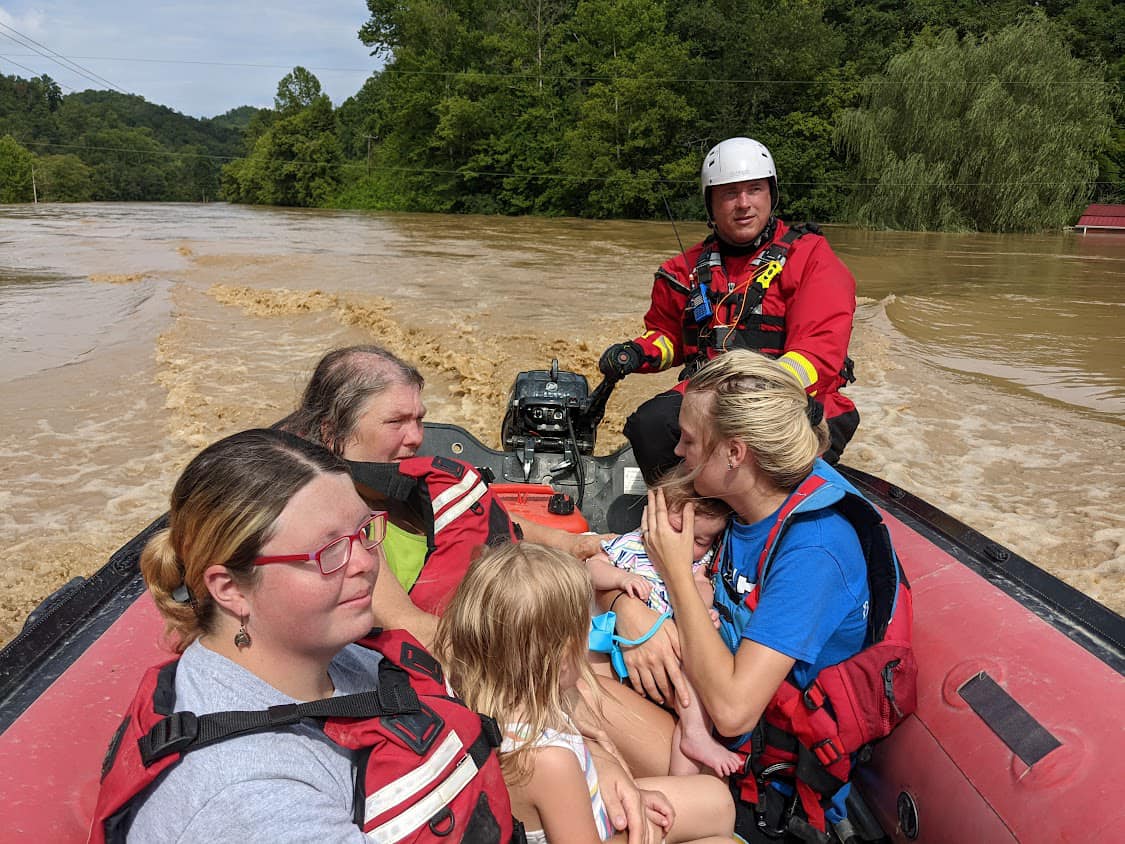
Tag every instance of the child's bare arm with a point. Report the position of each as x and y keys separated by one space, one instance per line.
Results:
x=707 y=593
x=604 y=575
x=705 y=587
x=558 y=791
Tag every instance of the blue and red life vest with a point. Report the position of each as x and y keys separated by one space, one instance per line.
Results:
x=426 y=764
x=809 y=736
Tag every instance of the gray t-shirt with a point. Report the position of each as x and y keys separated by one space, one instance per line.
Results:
x=290 y=785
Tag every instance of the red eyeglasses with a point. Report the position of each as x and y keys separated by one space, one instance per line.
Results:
x=335 y=555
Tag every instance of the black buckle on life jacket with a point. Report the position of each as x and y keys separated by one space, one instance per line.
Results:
x=486 y=742
x=491 y=731
x=416 y=657
x=452 y=467
x=169 y=735
x=417 y=730
x=775 y=252
x=813 y=698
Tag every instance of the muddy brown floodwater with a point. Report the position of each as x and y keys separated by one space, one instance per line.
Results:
x=991 y=368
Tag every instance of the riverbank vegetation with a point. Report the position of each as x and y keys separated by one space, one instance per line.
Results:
x=921 y=114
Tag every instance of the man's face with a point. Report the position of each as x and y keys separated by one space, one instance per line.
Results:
x=389 y=426
x=741 y=210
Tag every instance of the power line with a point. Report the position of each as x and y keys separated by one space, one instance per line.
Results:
x=433 y=171
x=480 y=74
x=34 y=74
x=58 y=58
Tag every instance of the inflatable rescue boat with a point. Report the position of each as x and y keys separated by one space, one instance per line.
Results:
x=1018 y=735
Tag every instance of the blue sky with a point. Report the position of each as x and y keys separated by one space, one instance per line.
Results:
x=200 y=58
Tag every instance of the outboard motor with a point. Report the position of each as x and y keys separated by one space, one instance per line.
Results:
x=553 y=411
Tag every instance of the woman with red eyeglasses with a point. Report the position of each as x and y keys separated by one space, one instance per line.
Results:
x=264 y=578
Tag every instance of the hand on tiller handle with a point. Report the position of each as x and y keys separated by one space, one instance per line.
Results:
x=621 y=359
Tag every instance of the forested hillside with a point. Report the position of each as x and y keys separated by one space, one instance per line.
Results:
x=108 y=146
x=904 y=113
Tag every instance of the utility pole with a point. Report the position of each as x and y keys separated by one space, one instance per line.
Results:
x=34 y=189
x=370 y=138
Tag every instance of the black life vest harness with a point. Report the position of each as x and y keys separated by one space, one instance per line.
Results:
x=742 y=325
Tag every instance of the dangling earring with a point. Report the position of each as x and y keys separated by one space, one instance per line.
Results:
x=242 y=638
x=730 y=465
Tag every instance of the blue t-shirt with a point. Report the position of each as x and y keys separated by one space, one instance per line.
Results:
x=814 y=602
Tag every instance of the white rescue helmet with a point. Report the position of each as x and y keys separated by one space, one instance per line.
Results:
x=737 y=160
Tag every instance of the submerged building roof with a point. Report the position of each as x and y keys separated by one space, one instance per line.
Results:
x=1102 y=217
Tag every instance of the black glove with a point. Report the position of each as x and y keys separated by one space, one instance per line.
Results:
x=620 y=359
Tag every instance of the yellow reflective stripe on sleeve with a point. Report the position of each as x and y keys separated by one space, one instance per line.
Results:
x=663 y=344
x=800 y=366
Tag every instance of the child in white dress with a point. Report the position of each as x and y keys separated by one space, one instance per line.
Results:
x=513 y=640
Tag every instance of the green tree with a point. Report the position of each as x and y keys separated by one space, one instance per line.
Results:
x=297 y=89
x=129 y=165
x=1000 y=133
x=295 y=160
x=631 y=120
x=64 y=178
x=15 y=171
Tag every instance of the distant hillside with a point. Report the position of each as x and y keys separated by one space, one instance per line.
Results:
x=237 y=118
x=83 y=110
x=102 y=145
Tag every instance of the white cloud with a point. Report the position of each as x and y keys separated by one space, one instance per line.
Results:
x=199 y=58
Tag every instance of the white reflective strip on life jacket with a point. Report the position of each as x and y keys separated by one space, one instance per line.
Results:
x=457 y=509
x=390 y=795
x=407 y=822
x=457 y=490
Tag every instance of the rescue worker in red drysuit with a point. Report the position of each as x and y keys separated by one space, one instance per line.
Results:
x=755 y=283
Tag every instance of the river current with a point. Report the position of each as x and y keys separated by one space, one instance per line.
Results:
x=991 y=368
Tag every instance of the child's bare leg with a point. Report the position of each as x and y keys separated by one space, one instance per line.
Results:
x=693 y=743
x=680 y=764
x=704 y=807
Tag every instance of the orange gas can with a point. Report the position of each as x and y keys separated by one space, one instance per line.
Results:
x=533 y=501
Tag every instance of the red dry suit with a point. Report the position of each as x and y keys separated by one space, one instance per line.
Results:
x=804 y=316
x=426 y=765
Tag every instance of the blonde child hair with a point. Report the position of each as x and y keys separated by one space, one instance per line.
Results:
x=519 y=619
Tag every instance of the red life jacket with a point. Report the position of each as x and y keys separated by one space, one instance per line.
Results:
x=793 y=297
x=744 y=324
x=809 y=736
x=426 y=764
x=457 y=508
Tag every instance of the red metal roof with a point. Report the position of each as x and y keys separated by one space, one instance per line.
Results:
x=1103 y=217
